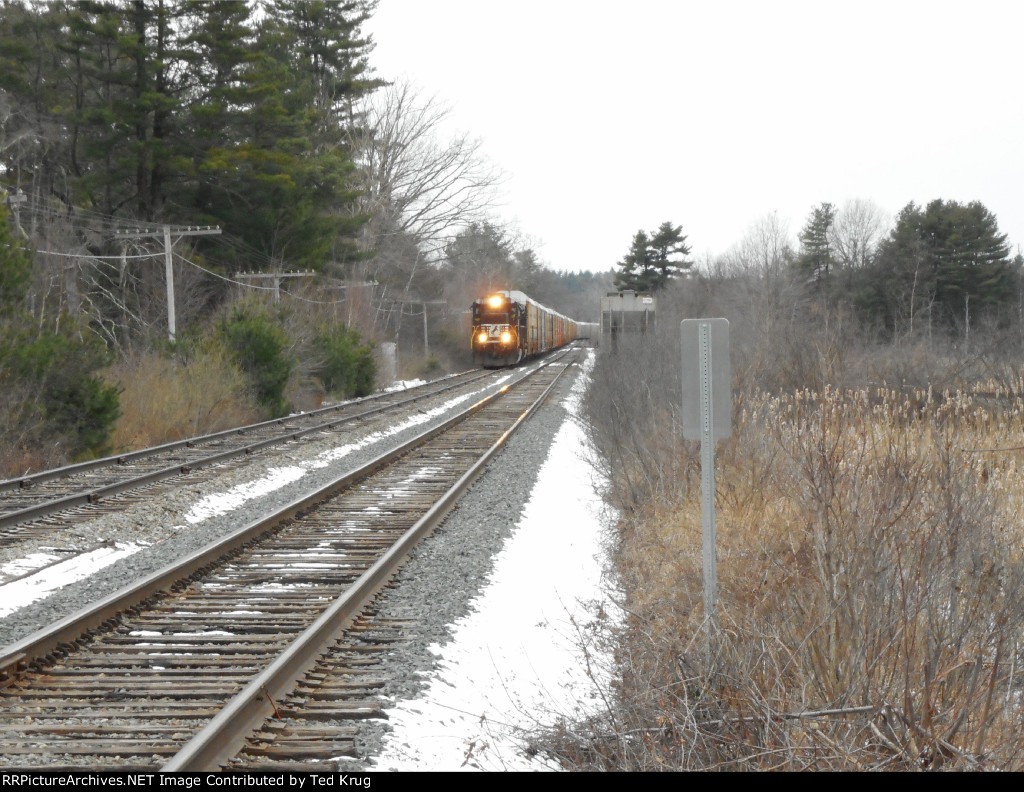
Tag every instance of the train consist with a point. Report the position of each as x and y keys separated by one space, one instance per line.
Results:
x=509 y=327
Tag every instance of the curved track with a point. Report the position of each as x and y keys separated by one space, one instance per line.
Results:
x=200 y=653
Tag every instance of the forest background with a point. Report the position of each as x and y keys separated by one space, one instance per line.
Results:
x=305 y=212
x=311 y=212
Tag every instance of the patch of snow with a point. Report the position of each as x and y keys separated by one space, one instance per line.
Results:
x=20 y=593
x=523 y=657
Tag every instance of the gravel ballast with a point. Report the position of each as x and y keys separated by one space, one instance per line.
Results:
x=159 y=518
x=437 y=584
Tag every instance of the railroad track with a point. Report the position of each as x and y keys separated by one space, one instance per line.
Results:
x=181 y=670
x=87 y=484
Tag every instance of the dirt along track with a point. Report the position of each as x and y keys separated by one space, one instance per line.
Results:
x=119 y=699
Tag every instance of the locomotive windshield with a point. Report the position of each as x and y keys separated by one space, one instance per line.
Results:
x=484 y=314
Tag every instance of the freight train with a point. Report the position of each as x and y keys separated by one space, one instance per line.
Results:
x=509 y=327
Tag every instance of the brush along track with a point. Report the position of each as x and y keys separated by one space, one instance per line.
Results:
x=130 y=694
x=88 y=484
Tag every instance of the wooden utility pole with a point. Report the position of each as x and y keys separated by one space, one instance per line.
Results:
x=424 y=304
x=275 y=277
x=14 y=201
x=166 y=231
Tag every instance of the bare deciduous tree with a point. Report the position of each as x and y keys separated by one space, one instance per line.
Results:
x=766 y=249
x=856 y=231
x=413 y=183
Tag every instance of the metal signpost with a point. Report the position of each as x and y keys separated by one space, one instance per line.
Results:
x=707 y=416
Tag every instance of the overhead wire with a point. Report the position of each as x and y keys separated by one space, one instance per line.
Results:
x=86 y=220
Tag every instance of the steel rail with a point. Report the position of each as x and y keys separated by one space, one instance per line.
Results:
x=61 y=636
x=24 y=482
x=225 y=735
x=97 y=494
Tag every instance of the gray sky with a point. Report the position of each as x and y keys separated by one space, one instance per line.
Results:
x=610 y=117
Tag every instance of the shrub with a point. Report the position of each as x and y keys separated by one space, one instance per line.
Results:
x=348 y=367
x=871 y=585
x=166 y=397
x=259 y=346
x=66 y=401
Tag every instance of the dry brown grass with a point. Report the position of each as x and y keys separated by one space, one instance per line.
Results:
x=871 y=587
x=165 y=399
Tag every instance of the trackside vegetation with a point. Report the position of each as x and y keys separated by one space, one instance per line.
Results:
x=869 y=543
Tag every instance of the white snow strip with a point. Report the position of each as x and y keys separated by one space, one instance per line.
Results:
x=513 y=666
x=223 y=502
x=276 y=478
x=20 y=566
x=28 y=590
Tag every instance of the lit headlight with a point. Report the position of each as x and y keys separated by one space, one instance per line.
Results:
x=496 y=301
x=506 y=337
x=482 y=338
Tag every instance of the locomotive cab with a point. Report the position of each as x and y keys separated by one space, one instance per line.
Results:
x=497 y=325
x=509 y=327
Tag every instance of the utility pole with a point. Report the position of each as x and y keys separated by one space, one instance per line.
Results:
x=424 y=304
x=165 y=231
x=15 y=201
x=275 y=277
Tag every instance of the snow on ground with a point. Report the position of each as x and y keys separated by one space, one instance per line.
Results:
x=223 y=502
x=20 y=593
x=516 y=663
x=51 y=575
x=404 y=384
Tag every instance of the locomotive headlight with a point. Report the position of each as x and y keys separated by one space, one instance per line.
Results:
x=506 y=337
x=482 y=338
x=496 y=301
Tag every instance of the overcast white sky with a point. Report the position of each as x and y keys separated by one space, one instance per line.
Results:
x=609 y=117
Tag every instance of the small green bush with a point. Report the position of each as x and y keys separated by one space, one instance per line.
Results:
x=70 y=401
x=348 y=368
x=15 y=266
x=259 y=346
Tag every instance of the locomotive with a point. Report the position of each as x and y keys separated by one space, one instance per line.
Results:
x=508 y=327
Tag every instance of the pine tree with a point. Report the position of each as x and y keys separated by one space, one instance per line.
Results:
x=653 y=259
x=669 y=251
x=15 y=266
x=816 y=259
x=637 y=271
x=939 y=267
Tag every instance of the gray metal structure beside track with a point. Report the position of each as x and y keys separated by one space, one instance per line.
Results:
x=242 y=700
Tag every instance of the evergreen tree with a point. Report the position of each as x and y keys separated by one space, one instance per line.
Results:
x=816 y=260
x=940 y=266
x=15 y=267
x=653 y=259
x=669 y=250
x=637 y=270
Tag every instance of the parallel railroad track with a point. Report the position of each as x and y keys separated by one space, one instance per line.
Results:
x=89 y=483
x=177 y=671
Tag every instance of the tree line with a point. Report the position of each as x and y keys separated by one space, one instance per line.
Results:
x=180 y=111
x=941 y=268
x=261 y=117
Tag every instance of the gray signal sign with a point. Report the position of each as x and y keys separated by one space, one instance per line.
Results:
x=707 y=416
x=705 y=345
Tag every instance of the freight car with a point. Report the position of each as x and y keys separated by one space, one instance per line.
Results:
x=509 y=327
